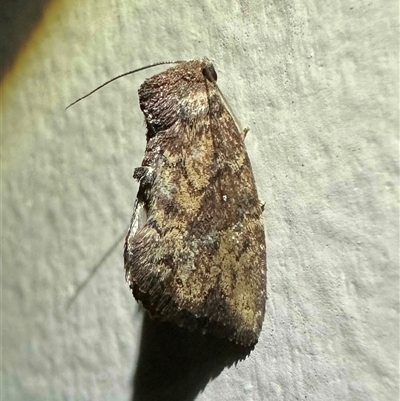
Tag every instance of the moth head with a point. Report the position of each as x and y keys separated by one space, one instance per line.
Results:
x=207 y=70
x=183 y=92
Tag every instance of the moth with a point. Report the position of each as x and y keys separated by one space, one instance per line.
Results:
x=195 y=251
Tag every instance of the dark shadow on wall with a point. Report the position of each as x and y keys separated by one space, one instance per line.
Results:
x=18 y=18
x=176 y=365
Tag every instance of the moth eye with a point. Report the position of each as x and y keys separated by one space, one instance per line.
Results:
x=209 y=73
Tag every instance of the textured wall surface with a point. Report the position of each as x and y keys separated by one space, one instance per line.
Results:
x=317 y=84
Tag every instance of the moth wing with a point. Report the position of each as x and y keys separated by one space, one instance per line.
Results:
x=195 y=252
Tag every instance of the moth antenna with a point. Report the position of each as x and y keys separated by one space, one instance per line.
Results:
x=123 y=75
x=225 y=102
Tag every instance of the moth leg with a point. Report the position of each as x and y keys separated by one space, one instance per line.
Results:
x=244 y=132
x=143 y=172
x=145 y=176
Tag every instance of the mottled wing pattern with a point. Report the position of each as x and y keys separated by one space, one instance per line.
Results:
x=195 y=251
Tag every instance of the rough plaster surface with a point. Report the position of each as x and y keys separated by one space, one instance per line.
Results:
x=317 y=84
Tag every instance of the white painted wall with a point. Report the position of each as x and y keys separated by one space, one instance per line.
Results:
x=317 y=84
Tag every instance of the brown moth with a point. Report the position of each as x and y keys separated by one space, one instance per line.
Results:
x=195 y=250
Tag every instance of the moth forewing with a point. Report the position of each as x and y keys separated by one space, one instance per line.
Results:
x=196 y=257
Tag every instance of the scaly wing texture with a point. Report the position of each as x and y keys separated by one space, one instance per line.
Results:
x=197 y=258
